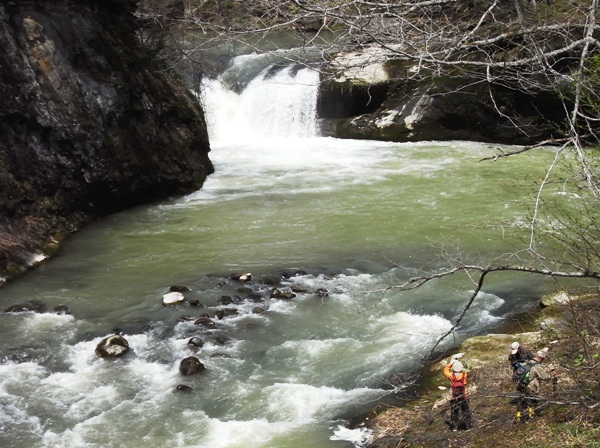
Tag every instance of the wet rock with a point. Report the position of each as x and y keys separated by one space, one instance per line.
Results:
x=271 y=280
x=242 y=277
x=220 y=340
x=33 y=306
x=206 y=322
x=220 y=285
x=258 y=310
x=179 y=288
x=16 y=358
x=191 y=365
x=112 y=347
x=300 y=289
x=225 y=300
x=61 y=310
x=195 y=343
x=254 y=297
x=186 y=318
x=173 y=298
x=321 y=292
x=196 y=303
x=183 y=388
x=284 y=295
x=293 y=273
x=226 y=312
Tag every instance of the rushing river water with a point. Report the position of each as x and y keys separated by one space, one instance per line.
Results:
x=351 y=217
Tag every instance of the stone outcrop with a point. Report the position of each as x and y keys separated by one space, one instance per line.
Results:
x=385 y=101
x=91 y=123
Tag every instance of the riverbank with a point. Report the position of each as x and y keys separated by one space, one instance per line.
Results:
x=568 y=413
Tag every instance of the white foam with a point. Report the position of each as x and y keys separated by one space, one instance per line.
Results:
x=43 y=326
x=16 y=383
x=360 y=437
x=248 y=433
x=303 y=403
x=311 y=349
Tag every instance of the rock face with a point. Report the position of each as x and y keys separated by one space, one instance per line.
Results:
x=387 y=103
x=90 y=122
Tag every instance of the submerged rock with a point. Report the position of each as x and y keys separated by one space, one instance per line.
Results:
x=35 y=307
x=195 y=343
x=205 y=322
x=61 y=310
x=183 y=388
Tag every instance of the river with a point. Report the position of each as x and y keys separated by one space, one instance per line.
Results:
x=349 y=217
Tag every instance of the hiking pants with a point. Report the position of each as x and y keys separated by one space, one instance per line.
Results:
x=460 y=404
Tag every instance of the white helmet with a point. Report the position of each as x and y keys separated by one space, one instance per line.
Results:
x=457 y=366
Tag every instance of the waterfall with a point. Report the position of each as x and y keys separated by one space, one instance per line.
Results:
x=280 y=102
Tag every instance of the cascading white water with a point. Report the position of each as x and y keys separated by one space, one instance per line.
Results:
x=278 y=103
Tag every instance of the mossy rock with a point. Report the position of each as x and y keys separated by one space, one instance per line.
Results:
x=492 y=348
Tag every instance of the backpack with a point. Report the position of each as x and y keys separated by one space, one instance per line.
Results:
x=521 y=376
x=457 y=383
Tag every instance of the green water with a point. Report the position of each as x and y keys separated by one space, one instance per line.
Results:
x=355 y=216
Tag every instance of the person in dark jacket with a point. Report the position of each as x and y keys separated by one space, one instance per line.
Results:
x=518 y=355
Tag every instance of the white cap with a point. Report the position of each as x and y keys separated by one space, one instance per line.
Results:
x=457 y=366
x=514 y=347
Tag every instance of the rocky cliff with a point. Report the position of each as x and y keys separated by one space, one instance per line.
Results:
x=90 y=123
x=383 y=102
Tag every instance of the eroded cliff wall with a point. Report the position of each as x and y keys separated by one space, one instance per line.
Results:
x=90 y=124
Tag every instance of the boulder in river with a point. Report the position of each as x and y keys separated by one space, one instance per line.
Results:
x=190 y=366
x=279 y=294
x=112 y=347
x=205 y=322
x=243 y=277
x=172 y=298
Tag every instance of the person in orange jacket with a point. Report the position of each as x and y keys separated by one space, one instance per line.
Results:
x=459 y=402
